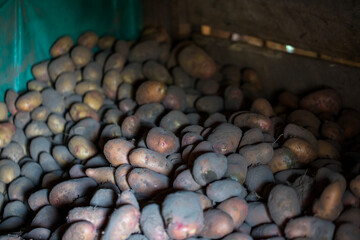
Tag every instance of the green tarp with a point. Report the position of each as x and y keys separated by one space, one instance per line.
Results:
x=28 y=28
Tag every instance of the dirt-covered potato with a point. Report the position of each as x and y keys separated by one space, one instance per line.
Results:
x=40 y=71
x=175 y=98
x=106 y=42
x=131 y=127
x=185 y=181
x=94 y=99
x=162 y=141
x=236 y=167
x=132 y=73
x=349 y=121
x=82 y=148
x=88 y=39
x=53 y=100
x=209 y=167
x=7 y=131
x=223 y=189
x=121 y=176
x=80 y=111
x=257 y=177
x=182 y=214
x=157 y=72
x=29 y=101
x=98 y=216
x=143 y=51
x=322 y=101
x=217 y=224
x=225 y=138
x=92 y=72
x=60 y=65
x=210 y=104
x=81 y=56
x=146 y=158
x=174 y=121
x=10 y=100
x=61 y=46
x=306 y=119
x=117 y=150
x=302 y=149
x=152 y=223
x=65 y=83
x=260 y=153
x=262 y=106
x=252 y=120
x=196 y=62
x=101 y=174
x=282 y=159
x=327 y=149
x=150 y=92
x=115 y=62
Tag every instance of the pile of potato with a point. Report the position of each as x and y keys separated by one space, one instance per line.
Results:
x=138 y=140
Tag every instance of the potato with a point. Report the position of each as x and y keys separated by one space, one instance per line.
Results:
x=250 y=76
x=182 y=214
x=35 y=85
x=225 y=138
x=82 y=148
x=150 y=92
x=349 y=121
x=146 y=182
x=10 y=100
x=283 y=204
x=146 y=158
x=355 y=186
x=39 y=145
x=347 y=231
x=349 y=199
x=309 y=227
x=289 y=99
x=252 y=120
x=217 y=224
x=293 y=130
x=237 y=236
x=106 y=42
x=65 y=83
x=207 y=86
x=282 y=159
x=302 y=149
x=260 y=153
x=175 y=98
x=156 y=72
x=15 y=208
x=80 y=111
x=38 y=199
x=196 y=62
x=19 y=188
x=237 y=209
x=47 y=217
x=116 y=151
x=94 y=99
x=33 y=171
x=143 y=51
x=101 y=174
x=52 y=178
x=152 y=223
x=9 y=170
x=82 y=229
x=210 y=104
x=87 y=128
x=181 y=78
x=98 y=216
x=53 y=100
x=185 y=181
x=110 y=131
x=132 y=73
x=81 y=56
x=13 y=151
x=162 y=141
x=128 y=197
x=121 y=176
x=190 y=138
x=36 y=129
x=257 y=177
x=131 y=127
x=40 y=71
x=92 y=72
x=123 y=47
x=236 y=167
x=11 y=224
x=257 y=214
x=61 y=46
x=60 y=65
x=233 y=98
x=332 y=130
x=251 y=136
x=209 y=167
x=67 y=192
x=37 y=233
x=115 y=62
x=29 y=101
x=350 y=215
x=192 y=96
x=263 y=107
x=88 y=39
x=327 y=149
x=174 y=121
x=322 y=101
x=221 y=190
x=122 y=223
x=306 y=119
x=201 y=148
x=56 y=123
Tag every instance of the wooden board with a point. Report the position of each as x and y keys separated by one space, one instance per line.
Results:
x=279 y=70
x=330 y=27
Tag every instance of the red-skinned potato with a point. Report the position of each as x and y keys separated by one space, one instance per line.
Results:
x=116 y=151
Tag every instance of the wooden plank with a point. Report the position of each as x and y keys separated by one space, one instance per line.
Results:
x=279 y=70
x=330 y=27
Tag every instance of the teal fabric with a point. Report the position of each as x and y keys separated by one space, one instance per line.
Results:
x=28 y=28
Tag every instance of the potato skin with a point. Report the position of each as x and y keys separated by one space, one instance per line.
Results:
x=150 y=91
x=40 y=71
x=183 y=214
x=81 y=147
x=88 y=39
x=283 y=204
x=82 y=229
x=146 y=158
x=355 y=186
x=122 y=223
x=217 y=224
x=80 y=111
x=209 y=167
x=253 y=120
x=152 y=223
x=61 y=46
x=282 y=159
x=116 y=151
x=236 y=167
x=237 y=208
x=223 y=189
x=60 y=65
x=7 y=131
x=225 y=138
x=302 y=149
x=29 y=101
x=322 y=101
x=162 y=141
x=95 y=215
x=260 y=153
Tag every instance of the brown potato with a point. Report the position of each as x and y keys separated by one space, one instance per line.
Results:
x=132 y=73
x=145 y=50
x=19 y=188
x=60 y=65
x=29 y=101
x=293 y=130
x=146 y=182
x=81 y=147
x=121 y=176
x=150 y=92
x=40 y=71
x=210 y=104
x=40 y=113
x=101 y=174
x=252 y=120
x=111 y=83
x=152 y=223
x=252 y=136
x=217 y=224
x=92 y=72
x=98 y=216
x=190 y=138
x=302 y=149
x=282 y=159
x=262 y=106
x=288 y=99
x=225 y=138
x=181 y=78
x=67 y=192
x=350 y=215
x=10 y=100
x=309 y=227
x=3 y=112
x=283 y=204
x=355 y=186
x=38 y=199
x=82 y=230
x=128 y=197
x=85 y=86
x=209 y=167
x=306 y=119
x=322 y=101
x=233 y=98
x=223 y=189
x=175 y=98
x=9 y=170
x=327 y=149
x=156 y=72
x=88 y=39
x=131 y=127
x=349 y=121
x=332 y=130
x=146 y=158
x=56 y=123
x=36 y=129
x=122 y=223
x=61 y=46
x=260 y=153
x=237 y=208
x=196 y=62
x=7 y=131
x=106 y=42
x=162 y=141
x=94 y=99
x=117 y=150
x=182 y=214
x=174 y=121
x=207 y=86
x=115 y=61
x=236 y=167
x=185 y=181
x=81 y=56
x=80 y=111
x=347 y=231
x=35 y=85
x=65 y=83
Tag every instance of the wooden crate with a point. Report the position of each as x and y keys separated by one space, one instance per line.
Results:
x=299 y=45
